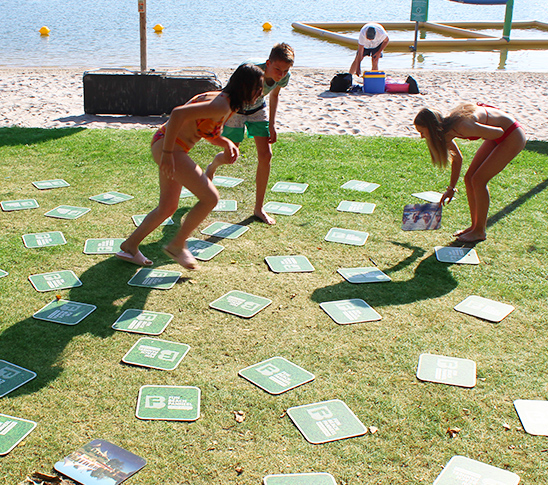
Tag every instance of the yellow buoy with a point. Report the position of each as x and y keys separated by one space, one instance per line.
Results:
x=44 y=30
x=267 y=26
x=158 y=28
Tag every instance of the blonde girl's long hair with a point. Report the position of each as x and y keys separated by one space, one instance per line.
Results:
x=438 y=126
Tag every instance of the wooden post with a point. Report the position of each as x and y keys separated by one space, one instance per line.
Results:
x=142 y=4
x=508 y=20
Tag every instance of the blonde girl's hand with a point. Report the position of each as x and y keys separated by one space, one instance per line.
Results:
x=447 y=196
x=167 y=165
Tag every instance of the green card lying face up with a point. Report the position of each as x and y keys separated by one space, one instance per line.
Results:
x=13 y=376
x=463 y=471
x=354 y=310
x=240 y=304
x=326 y=421
x=300 y=479
x=13 y=431
x=169 y=403
x=276 y=375
x=156 y=353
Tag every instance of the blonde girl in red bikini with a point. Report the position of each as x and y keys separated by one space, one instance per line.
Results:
x=503 y=140
x=202 y=117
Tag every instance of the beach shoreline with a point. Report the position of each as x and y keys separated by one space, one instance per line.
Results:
x=53 y=98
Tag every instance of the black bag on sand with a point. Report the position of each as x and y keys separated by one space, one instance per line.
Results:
x=413 y=86
x=341 y=83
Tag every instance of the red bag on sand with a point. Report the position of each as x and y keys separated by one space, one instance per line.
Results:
x=391 y=87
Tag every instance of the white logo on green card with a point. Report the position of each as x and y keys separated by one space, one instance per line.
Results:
x=58 y=280
x=156 y=353
x=289 y=264
x=347 y=236
x=64 y=312
x=108 y=245
x=429 y=196
x=456 y=255
x=44 y=239
x=111 y=198
x=447 y=370
x=219 y=181
x=224 y=230
x=50 y=184
x=276 y=375
x=357 y=207
x=281 y=208
x=226 y=206
x=3 y=273
x=360 y=186
x=169 y=403
x=13 y=431
x=142 y=321
x=484 y=308
x=138 y=220
x=464 y=471
x=326 y=421
x=159 y=279
x=291 y=187
x=67 y=212
x=533 y=415
x=240 y=303
x=300 y=479
x=203 y=250
x=12 y=376
x=364 y=275
x=345 y=312
x=17 y=205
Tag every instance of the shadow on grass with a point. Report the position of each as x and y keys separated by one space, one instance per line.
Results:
x=431 y=279
x=17 y=136
x=537 y=146
x=517 y=203
x=38 y=345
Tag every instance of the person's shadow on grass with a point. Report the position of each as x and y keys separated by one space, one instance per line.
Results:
x=431 y=279
x=38 y=345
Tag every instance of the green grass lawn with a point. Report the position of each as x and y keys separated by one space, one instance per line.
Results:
x=82 y=390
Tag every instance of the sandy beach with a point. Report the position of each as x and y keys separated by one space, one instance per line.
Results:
x=53 y=98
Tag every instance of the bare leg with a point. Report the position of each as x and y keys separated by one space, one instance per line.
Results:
x=264 y=157
x=170 y=191
x=197 y=182
x=482 y=170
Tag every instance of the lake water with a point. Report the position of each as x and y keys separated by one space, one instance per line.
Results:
x=91 y=34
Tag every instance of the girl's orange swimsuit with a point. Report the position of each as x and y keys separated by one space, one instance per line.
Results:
x=205 y=127
x=514 y=126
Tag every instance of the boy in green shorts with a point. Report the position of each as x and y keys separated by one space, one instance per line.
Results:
x=260 y=124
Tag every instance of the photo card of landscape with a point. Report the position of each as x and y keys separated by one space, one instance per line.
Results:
x=100 y=463
x=421 y=217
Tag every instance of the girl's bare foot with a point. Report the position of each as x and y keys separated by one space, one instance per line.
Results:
x=261 y=214
x=133 y=255
x=184 y=258
x=472 y=236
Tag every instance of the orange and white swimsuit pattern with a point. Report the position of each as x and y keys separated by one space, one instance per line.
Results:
x=205 y=127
